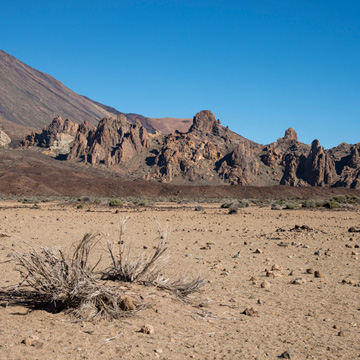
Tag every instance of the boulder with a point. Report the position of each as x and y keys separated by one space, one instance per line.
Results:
x=4 y=139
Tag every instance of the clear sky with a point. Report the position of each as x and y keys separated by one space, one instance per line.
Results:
x=260 y=65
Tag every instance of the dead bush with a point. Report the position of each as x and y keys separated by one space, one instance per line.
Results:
x=68 y=282
x=146 y=268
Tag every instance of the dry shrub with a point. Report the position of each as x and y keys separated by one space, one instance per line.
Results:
x=147 y=269
x=68 y=282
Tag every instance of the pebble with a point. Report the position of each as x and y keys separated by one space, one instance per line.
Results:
x=148 y=329
x=266 y=285
x=276 y=267
x=310 y=271
x=250 y=312
x=258 y=251
x=341 y=333
x=298 y=281
x=286 y=355
x=317 y=274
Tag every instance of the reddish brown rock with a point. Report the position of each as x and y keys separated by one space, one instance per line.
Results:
x=242 y=166
x=113 y=142
x=319 y=166
x=207 y=154
x=290 y=135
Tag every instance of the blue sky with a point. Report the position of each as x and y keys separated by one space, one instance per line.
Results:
x=260 y=65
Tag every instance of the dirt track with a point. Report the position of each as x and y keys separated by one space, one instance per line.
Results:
x=304 y=319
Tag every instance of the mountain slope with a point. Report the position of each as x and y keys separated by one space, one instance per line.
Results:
x=30 y=98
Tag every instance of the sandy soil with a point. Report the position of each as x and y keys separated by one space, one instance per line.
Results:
x=319 y=318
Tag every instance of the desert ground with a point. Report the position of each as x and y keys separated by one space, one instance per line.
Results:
x=254 y=260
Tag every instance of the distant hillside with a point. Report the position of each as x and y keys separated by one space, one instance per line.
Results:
x=30 y=98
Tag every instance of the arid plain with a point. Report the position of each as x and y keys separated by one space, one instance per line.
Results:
x=258 y=259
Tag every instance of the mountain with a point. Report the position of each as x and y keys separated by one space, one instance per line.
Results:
x=207 y=154
x=29 y=99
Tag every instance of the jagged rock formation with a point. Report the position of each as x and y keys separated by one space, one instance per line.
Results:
x=194 y=156
x=113 y=142
x=57 y=137
x=350 y=169
x=4 y=139
x=242 y=166
x=207 y=154
x=319 y=167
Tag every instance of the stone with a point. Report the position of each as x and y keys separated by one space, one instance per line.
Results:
x=270 y=274
x=276 y=267
x=310 y=271
x=298 y=281
x=147 y=329
x=266 y=285
x=286 y=355
x=317 y=274
x=250 y=312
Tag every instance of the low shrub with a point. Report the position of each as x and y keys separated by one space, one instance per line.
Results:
x=292 y=206
x=331 y=204
x=146 y=269
x=115 y=202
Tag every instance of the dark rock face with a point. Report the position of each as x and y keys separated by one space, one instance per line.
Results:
x=319 y=167
x=350 y=174
x=113 y=142
x=294 y=164
x=242 y=167
x=188 y=156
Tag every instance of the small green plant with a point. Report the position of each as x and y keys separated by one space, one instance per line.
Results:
x=342 y=199
x=292 y=206
x=225 y=205
x=331 y=204
x=115 y=202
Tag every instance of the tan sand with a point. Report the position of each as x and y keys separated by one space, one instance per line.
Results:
x=304 y=319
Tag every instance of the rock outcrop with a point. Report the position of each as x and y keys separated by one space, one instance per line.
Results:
x=4 y=139
x=242 y=166
x=350 y=169
x=57 y=137
x=207 y=154
x=51 y=134
x=319 y=166
x=113 y=142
